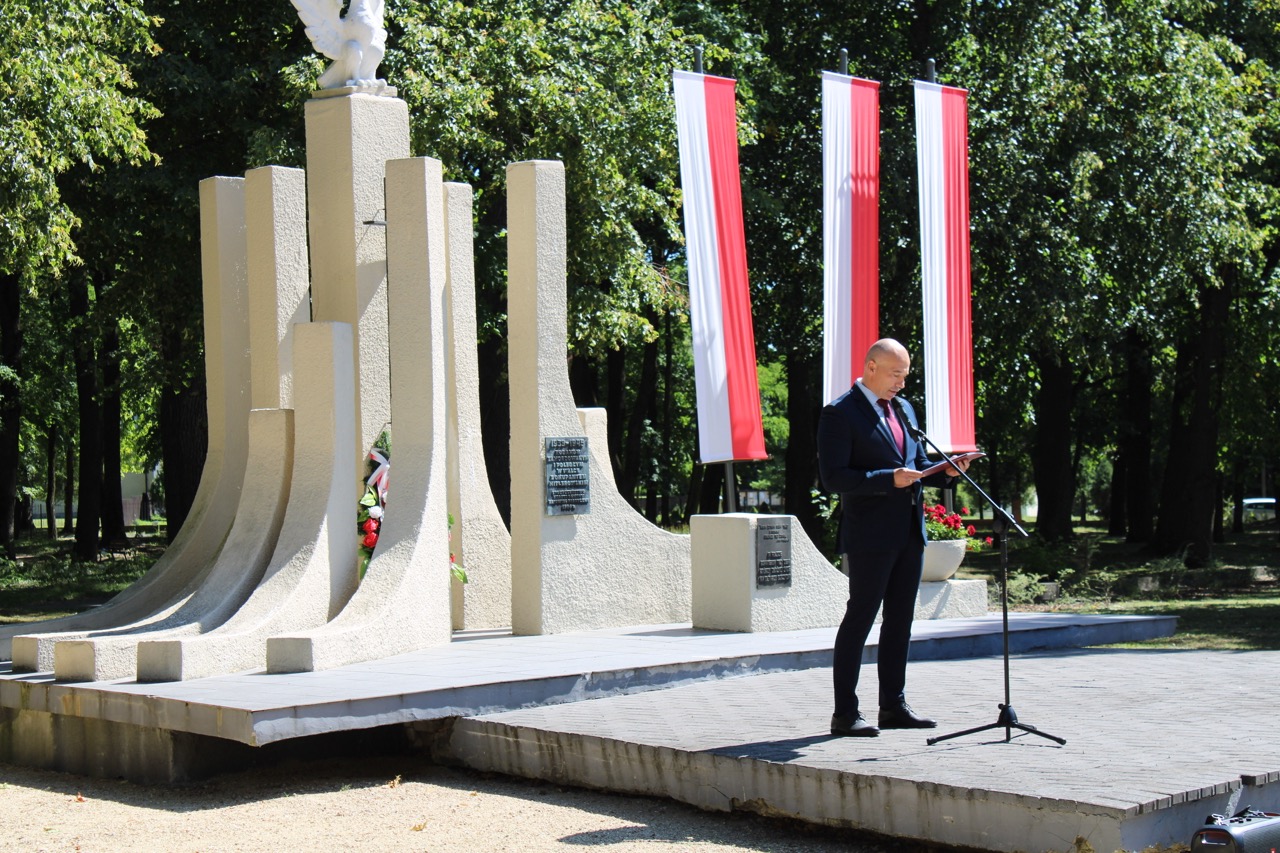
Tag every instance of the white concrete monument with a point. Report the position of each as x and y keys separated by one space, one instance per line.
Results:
x=349 y=140
x=402 y=603
x=479 y=539
x=182 y=568
x=606 y=567
x=755 y=572
x=276 y=238
x=313 y=569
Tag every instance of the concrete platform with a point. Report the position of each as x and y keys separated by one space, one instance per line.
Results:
x=1155 y=740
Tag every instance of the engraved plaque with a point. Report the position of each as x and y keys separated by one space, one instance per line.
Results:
x=568 y=476
x=773 y=552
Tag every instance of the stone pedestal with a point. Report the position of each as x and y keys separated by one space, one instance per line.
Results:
x=402 y=603
x=605 y=568
x=182 y=568
x=479 y=539
x=727 y=564
x=349 y=140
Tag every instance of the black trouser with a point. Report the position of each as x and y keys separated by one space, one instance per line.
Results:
x=893 y=578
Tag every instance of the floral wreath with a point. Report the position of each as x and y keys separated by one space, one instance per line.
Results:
x=373 y=505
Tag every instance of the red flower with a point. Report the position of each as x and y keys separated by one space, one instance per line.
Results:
x=971 y=530
x=371 y=525
x=988 y=540
x=369 y=540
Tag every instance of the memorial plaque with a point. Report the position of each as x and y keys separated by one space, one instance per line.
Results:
x=773 y=552
x=568 y=476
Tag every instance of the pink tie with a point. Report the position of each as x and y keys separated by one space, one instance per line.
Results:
x=894 y=427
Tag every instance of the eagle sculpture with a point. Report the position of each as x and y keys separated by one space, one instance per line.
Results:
x=355 y=42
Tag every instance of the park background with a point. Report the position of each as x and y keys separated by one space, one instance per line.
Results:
x=1125 y=171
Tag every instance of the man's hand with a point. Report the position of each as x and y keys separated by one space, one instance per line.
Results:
x=904 y=477
x=954 y=469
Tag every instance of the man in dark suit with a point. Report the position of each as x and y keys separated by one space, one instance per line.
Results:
x=868 y=457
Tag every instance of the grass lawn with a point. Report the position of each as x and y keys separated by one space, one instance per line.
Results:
x=1235 y=604
x=43 y=583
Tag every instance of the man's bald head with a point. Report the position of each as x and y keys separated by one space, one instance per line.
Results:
x=885 y=370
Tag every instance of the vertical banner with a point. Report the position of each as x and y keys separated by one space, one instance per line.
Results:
x=850 y=227
x=942 y=157
x=724 y=348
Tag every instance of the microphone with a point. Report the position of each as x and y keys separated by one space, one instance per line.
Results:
x=915 y=431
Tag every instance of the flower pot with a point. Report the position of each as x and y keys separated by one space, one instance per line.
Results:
x=942 y=558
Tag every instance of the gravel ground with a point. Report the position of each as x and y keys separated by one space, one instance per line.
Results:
x=380 y=803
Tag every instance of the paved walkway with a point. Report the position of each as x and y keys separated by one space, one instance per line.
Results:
x=485 y=672
x=1155 y=742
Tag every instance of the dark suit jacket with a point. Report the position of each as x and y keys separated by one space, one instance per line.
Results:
x=856 y=458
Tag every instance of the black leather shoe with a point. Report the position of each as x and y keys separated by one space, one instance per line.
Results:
x=902 y=717
x=854 y=726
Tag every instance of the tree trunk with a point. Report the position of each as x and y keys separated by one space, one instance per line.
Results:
x=615 y=408
x=495 y=422
x=1135 y=438
x=69 y=489
x=184 y=441
x=1117 y=523
x=1051 y=453
x=10 y=404
x=802 y=445
x=51 y=481
x=1189 y=491
x=711 y=488
x=113 y=529
x=84 y=357
x=641 y=407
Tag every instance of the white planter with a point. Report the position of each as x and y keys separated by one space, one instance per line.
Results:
x=942 y=558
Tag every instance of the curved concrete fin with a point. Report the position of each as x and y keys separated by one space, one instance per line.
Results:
x=238 y=570
x=479 y=539
x=558 y=581
x=181 y=570
x=313 y=569
x=276 y=245
x=403 y=601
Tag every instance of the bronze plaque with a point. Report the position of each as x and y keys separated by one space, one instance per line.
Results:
x=568 y=476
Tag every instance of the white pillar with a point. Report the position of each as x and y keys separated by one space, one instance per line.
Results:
x=402 y=603
x=479 y=539
x=349 y=139
x=181 y=569
x=312 y=572
x=279 y=283
x=609 y=567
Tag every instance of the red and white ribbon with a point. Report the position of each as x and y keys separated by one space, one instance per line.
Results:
x=724 y=350
x=381 y=473
x=850 y=227
x=942 y=158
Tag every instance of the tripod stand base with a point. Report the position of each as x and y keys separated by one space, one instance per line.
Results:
x=1008 y=720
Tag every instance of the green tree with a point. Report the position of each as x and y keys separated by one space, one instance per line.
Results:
x=65 y=89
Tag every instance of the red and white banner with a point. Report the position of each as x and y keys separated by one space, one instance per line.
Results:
x=850 y=227
x=724 y=348
x=942 y=157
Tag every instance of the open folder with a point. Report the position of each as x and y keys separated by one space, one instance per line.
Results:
x=959 y=457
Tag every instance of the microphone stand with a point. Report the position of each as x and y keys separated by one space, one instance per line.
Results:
x=1000 y=524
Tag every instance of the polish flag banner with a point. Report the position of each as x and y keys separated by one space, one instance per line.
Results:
x=724 y=347
x=942 y=159
x=850 y=227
